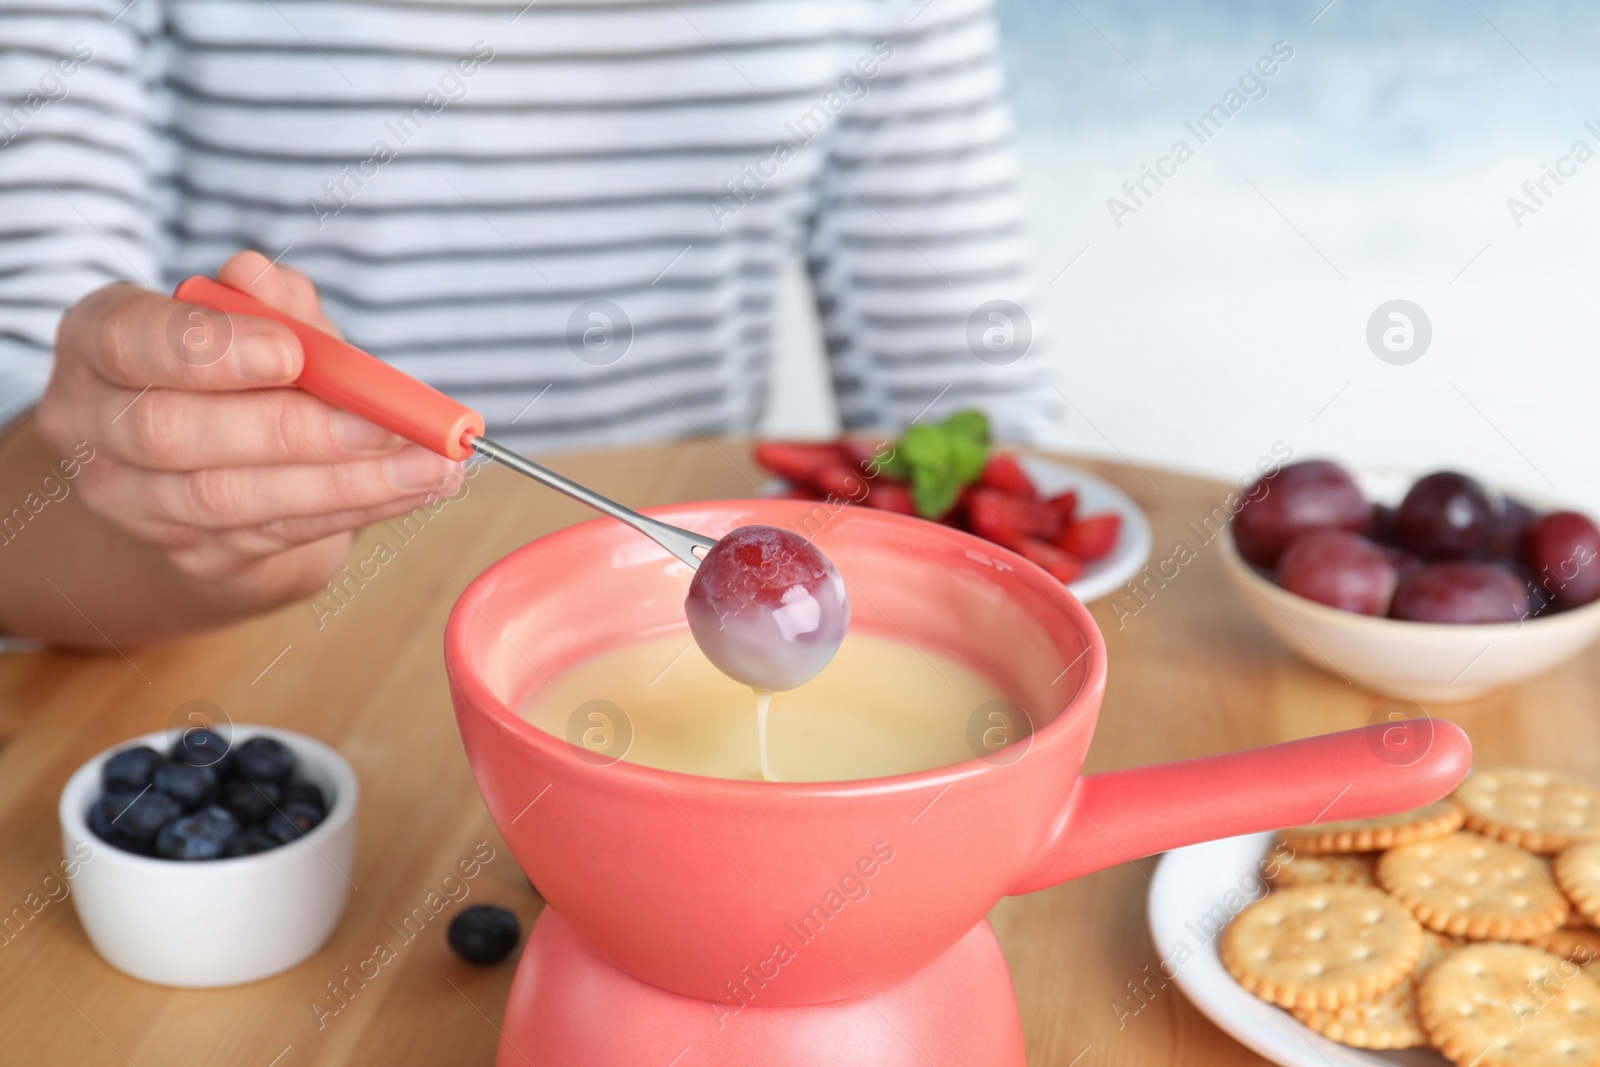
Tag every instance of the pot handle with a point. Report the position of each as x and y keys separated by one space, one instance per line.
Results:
x=1375 y=770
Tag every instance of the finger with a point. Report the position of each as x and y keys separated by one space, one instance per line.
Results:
x=221 y=498
x=277 y=286
x=251 y=542
x=173 y=430
x=266 y=582
x=135 y=338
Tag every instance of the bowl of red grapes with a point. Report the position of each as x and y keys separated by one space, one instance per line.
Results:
x=1437 y=587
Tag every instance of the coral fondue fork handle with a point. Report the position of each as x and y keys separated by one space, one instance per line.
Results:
x=358 y=382
x=353 y=380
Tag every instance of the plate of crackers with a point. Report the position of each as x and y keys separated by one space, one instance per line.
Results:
x=1466 y=932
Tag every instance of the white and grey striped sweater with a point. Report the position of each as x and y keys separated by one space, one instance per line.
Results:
x=571 y=215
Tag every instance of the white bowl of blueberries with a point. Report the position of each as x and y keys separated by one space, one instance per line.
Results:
x=213 y=860
x=1435 y=589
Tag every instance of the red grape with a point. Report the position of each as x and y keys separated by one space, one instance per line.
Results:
x=767 y=607
x=1294 y=500
x=1511 y=521
x=1445 y=516
x=1340 y=569
x=1540 y=602
x=1563 y=552
x=1461 y=591
x=1381 y=529
x=1405 y=564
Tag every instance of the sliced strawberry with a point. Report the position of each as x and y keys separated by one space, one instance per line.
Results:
x=995 y=516
x=1059 y=563
x=857 y=451
x=1006 y=518
x=1065 y=505
x=890 y=496
x=1004 y=472
x=862 y=452
x=1091 y=538
x=837 y=479
x=798 y=461
x=959 y=516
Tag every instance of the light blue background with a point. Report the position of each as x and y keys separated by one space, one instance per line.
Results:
x=1230 y=311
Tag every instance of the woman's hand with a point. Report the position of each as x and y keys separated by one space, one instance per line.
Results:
x=248 y=487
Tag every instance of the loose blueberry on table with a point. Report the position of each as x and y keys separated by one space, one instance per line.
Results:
x=203 y=801
x=484 y=934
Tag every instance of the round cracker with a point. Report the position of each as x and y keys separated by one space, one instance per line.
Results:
x=1500 y=1005
x=1468 y=886
x=1298 y=868
x=1574 y=919
x=1577 y=872
x=1386 y=831
x=1321 y=946
x=1387 y=1021
x=1435 y=947
x=1539 y=811
x=1580 y=946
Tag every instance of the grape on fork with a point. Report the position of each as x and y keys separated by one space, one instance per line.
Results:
x=767 y=608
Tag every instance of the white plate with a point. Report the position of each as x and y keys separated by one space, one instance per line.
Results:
x=1194 y=892
x=1095 y=496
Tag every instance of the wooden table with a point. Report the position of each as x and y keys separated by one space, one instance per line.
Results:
x=1191 y=673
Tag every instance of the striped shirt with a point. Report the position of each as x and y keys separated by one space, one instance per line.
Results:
x=570 y=215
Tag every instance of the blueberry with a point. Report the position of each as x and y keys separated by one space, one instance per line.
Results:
x=248 y=842
x=293 y=822
x=189 y=785
x=196 y=837
x=142 y=818
x=201 y=747
x=484 y=934
x=250 y=802
x=130 y=769
x=261 y=759
x=305 y=793
x=102 y=816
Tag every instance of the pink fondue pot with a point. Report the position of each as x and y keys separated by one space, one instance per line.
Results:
x=703 y=921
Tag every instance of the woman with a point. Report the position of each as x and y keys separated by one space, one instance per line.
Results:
x=571 y=215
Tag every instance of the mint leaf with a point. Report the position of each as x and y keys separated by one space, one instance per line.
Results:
x=971 y=424
x=941 y=459
x=934 y=491
x=892 y=465
x=967 y=457
x=925 y=446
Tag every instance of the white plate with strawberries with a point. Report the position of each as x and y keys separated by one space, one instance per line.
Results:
x=1078 y=527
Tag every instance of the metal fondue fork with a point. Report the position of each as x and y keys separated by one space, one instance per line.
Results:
x=675 y=539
